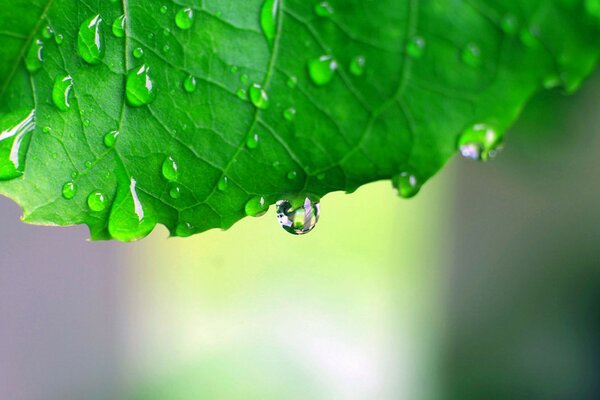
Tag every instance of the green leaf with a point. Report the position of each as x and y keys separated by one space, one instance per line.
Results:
x=124 y=114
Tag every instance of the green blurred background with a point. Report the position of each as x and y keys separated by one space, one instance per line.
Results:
x=486 y=286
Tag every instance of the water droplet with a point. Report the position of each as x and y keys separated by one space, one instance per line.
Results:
x=298 y=216
x=252 y=141
x=164 y=9
x=138 y=52
x=472 y=55
x=129 y=219
x=322 y=70
x=35 y=56
x=244 y=78
x=292 y=175
x=256 y=207
x=47 y=129
x=357 y=66
x=110 y=139
x=140 y=87
x=289 y=114
x=415 y=47
x=118 y=27
x=96 y=201
x=480 y=142
x=69 y=190
x=292 y=82
x=510 y=24
x=88 y=164
x=324 y=9
x=184 y=18
x=242 y=94
x=223 y=183
x=166 y=48
x=151 y=36
x=184 y=229
x=86 y=122
x=60 y=92
x=174 y=190
x=170 y=170
x=407 y=184
x=74 y=174
x=89 y=40
x=14 y=143
x=268 y=19
x=166 y=32
x=233 y=69
x=190 y=84
x=59 y=38
x=47 y=32
x=259 y=96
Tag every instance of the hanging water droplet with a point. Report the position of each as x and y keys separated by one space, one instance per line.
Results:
x=223 y=183
x=259 y=97
x=47 y=32
x=357 y=65
x=129 y=219
x=59 y=38
x=60 y=92
x=298 y=216
x=170 y=169
x=480 y=142
x=110 y=139
x=140 y=87
x=252 y=140
x=118 y=27
x=184 y=229
x=138 y=52
x=510 y=24
x=174 y=190
x=472 y=55
x=289 y=114
x=184 y=18
x=256 y=207
x=407 y=184
x=322 y=70
x=69 y=190
x=14 y=143
x=415 y=48
x=89 y=40
x=292 y=82
x=35 y=56
x=324 y=9
x=268 y=19
x=190 y=84
x=96 y=201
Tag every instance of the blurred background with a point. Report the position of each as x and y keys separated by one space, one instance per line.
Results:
x=486 y=286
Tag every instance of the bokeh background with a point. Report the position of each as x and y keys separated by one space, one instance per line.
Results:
x=486 y=286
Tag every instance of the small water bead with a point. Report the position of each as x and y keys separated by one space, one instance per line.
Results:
x=292 y=175
x=170 y=169
x=292 y=82
x=190 y=84
x=60 y=92
x=357 y=65
x=223 y=184
x=244 y=78
x=268 y=19
x=86 y=122
x=47 y=32
x=59 y=38
x=407 y=184
x=184 y=18
x=140 y=89
x=89 y=40
x=166 y=48
x=259 y=96
x=69 y=190
x=256 y=207
x=289 y=114
x=35 y=56
x=138 y=52
x=324 y=9
x=88 y=164
x=96 y=201
x=252 y=141
x=15 y=135
x=322 y=69
x=166 y=32
x=110 y=139
x=298 y=216
x=47 y=129
x=242 y=94
x=174 y=190
x=118 y=27
x=74 y=175
x=472 y=55
x=415 y=47
x=233 y=69
x=480 y=142
x=164 y=9
x=510 y=24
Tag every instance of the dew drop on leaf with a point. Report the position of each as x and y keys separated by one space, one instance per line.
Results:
x=184 y=229
x=244 y=78
x=89 y=40
x=174 y=190
x=472 y=55
x=259 y=97
x=47 y=32
x=96 y=201
x=407 y=184
x=110 y=139
x=35 y=56
x=170 y=169
x=357 y=65
x=292 y=175
x=184 y=19
x=242 y=94
x=69 y=190
x=480 y=142
x=138 y=52
x=140 y=89
x=61 y=91
x=324 y=9
x=298 y=216
x=129 y=219
x=190 y=84
x=415 y=48
x=322 y=70
x=256 y=207
x=268 y=19
x=164 y=9
x=292 y=82
x=252 y=140
x=59 y=38
x=289 y=114
x=118 y=27
x=14 y=144
x=223 y=184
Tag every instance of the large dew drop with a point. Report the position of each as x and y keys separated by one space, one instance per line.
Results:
x=118 y=27
x=480 y=142
x=322 y=70
x=140 y=87
x=14 y=143
x=184 y=19
x=170 y=170
x=69 y=190
x=268 y=19
x=298 y=216
x=89 y=40
x=259 y=97
x=129 y=219
x=97 y=201
x=60 y=92
x=35 y=56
